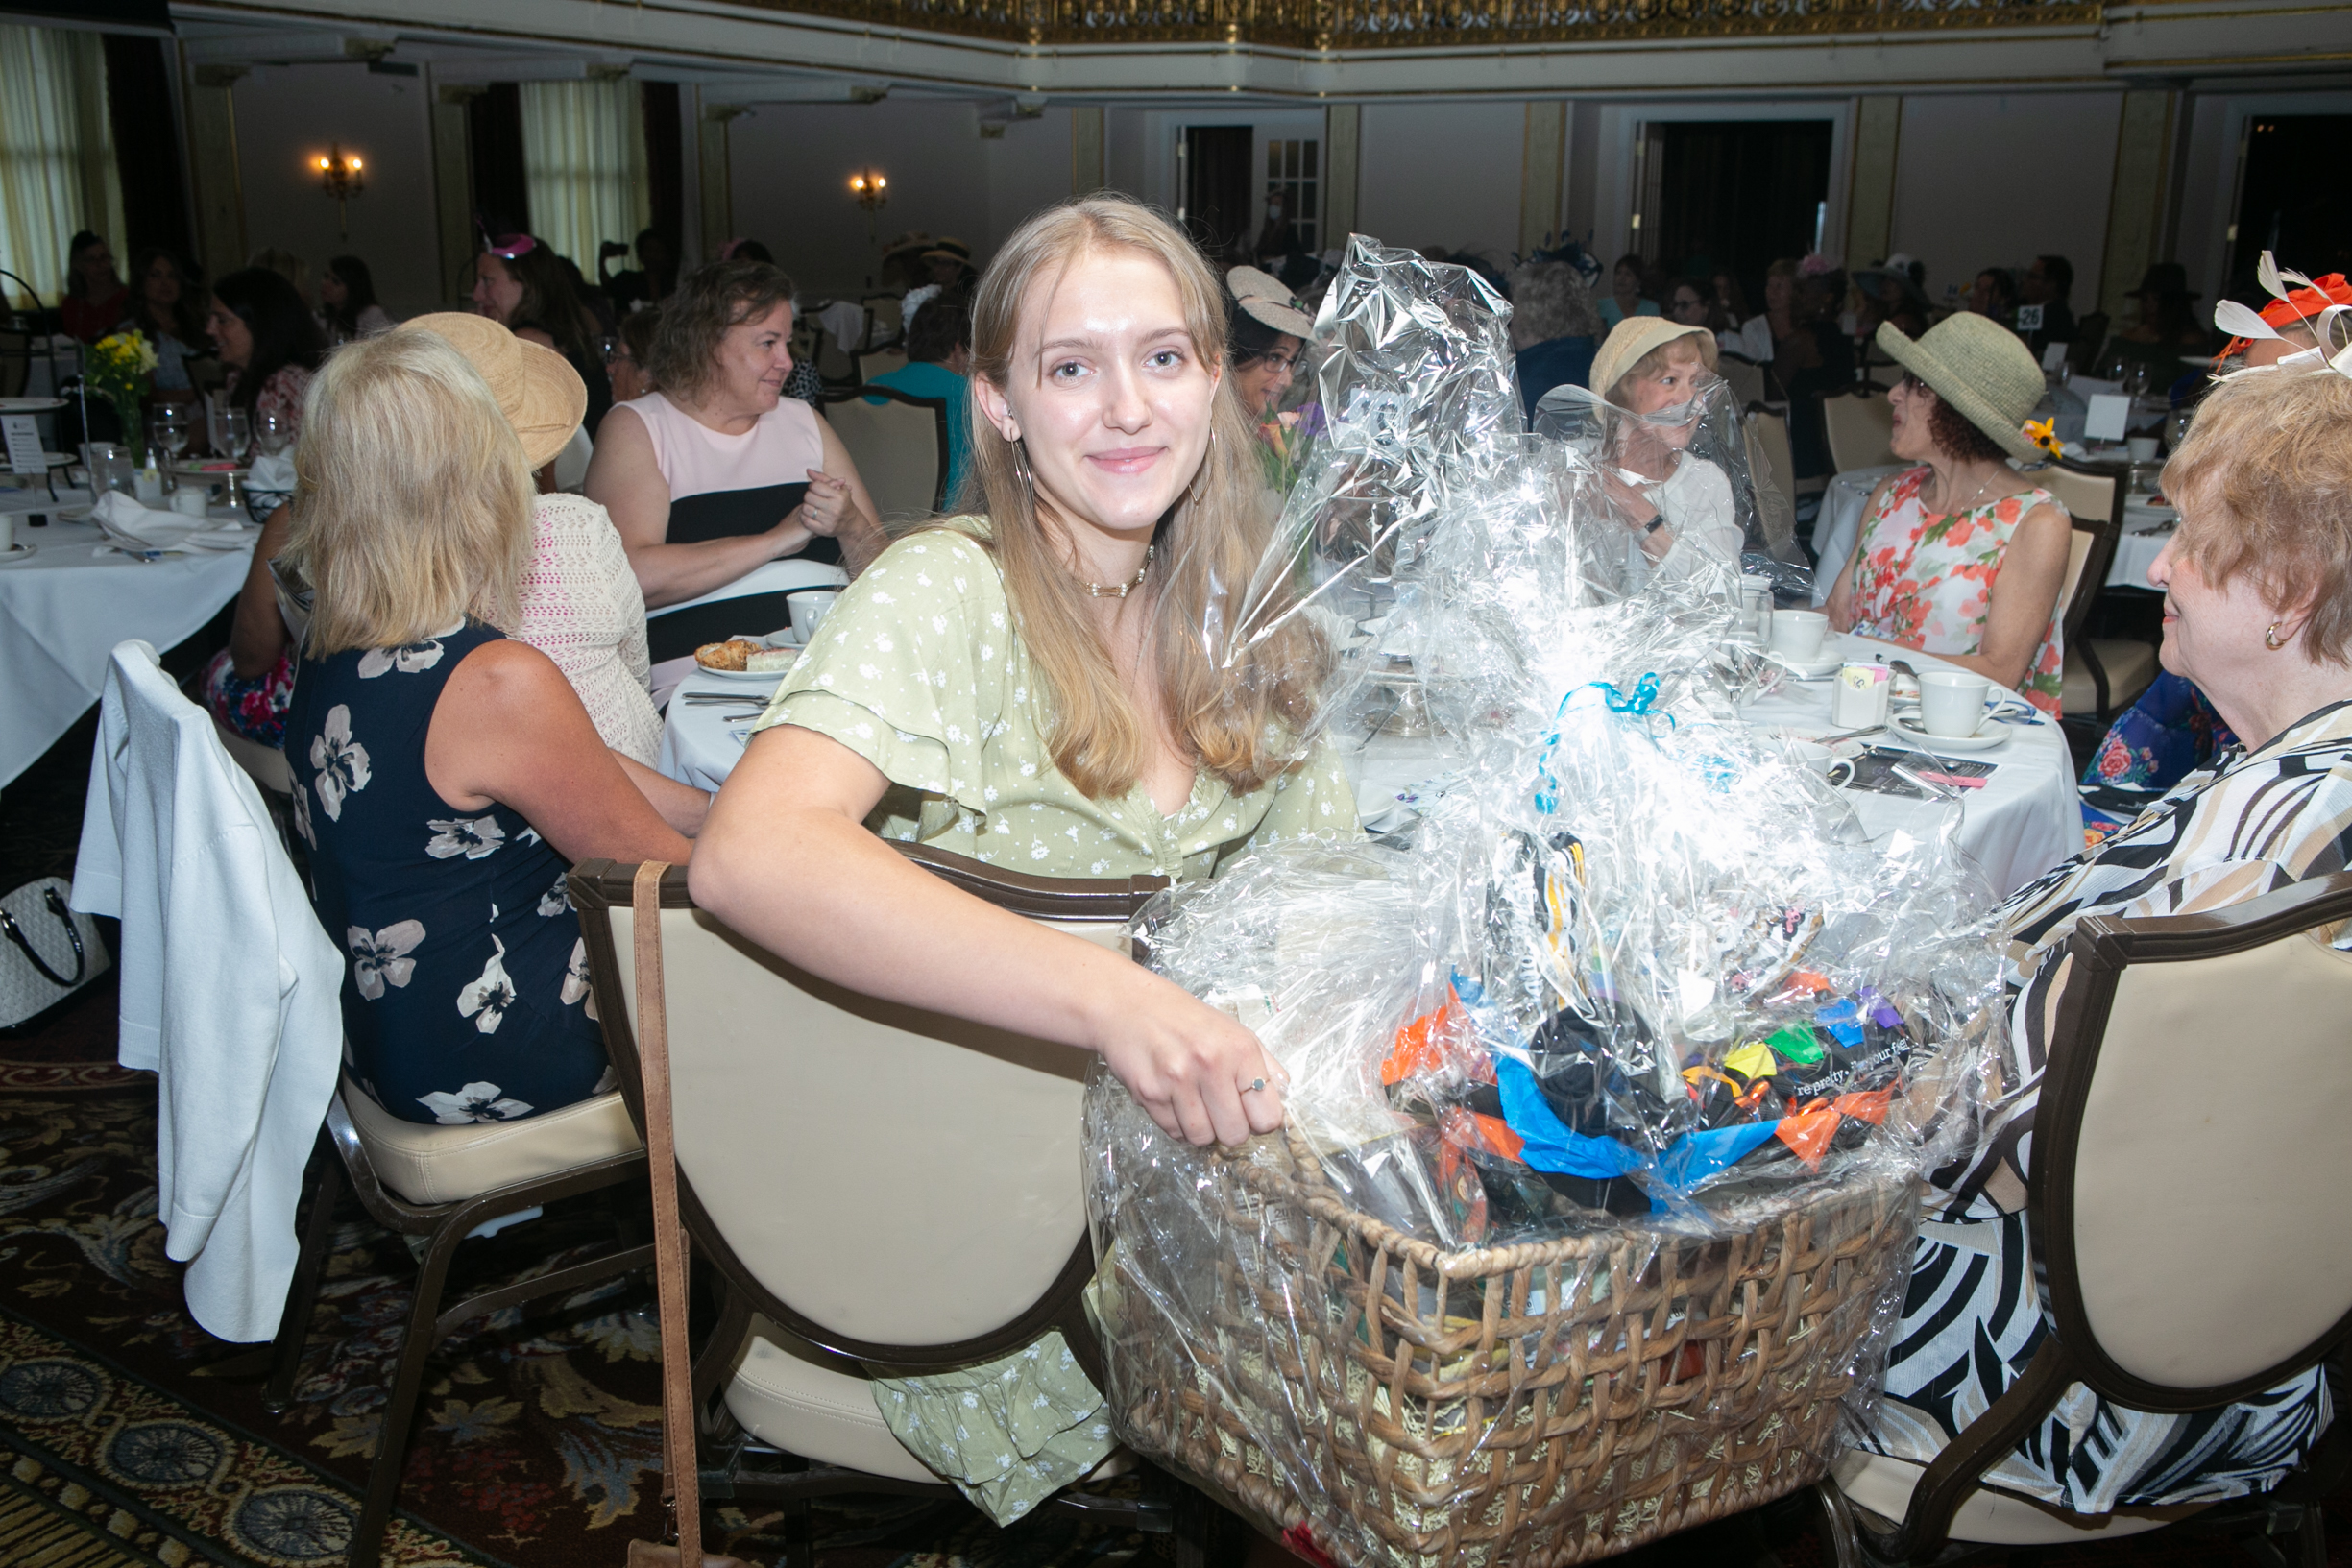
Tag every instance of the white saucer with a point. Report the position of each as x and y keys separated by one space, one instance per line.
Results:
x=29 y=405
x=1809 y=669
x=1992 y=737
x=18 y=553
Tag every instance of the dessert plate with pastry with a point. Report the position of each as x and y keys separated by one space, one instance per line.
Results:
x=745 y=659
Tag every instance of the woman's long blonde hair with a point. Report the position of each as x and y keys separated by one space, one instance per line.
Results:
x=1239 y=720
x=412 y=500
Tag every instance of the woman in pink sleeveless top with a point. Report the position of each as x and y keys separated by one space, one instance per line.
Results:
x=717 y=473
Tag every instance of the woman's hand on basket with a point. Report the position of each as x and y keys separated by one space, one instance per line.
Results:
x=1191 y=1067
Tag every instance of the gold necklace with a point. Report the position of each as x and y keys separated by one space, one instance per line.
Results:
x=1119 y=590
x=1951 y=511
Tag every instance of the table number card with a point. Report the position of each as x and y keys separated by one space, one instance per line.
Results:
x=2029 y=318
x=24 y=439
x=2107 y=416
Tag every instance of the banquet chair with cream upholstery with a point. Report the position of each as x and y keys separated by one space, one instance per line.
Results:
x=2197 y=1246
x=2103 y=675
x=1860 y=427
x=1744 y=376
x=883 y=322
x=870 y=363
x=900 y=446
x=1768 y=439
x=444 y=1184
x=869 y=1183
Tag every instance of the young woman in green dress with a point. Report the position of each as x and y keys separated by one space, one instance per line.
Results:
x=1036 y=688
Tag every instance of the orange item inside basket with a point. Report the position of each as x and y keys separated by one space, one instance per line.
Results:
x=1808 y=1131
x=1425 y=1047
x=1472 y=1129
x=1868 y=1107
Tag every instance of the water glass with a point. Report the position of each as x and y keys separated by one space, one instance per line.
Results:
x=167 y=428
x=236 y=437
x=273 y=431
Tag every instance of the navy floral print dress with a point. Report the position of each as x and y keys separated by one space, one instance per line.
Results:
x=466 y=997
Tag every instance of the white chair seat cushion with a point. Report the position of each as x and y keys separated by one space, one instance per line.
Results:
x=815 y=1411
x=1884 y=1486
x=442 y=1165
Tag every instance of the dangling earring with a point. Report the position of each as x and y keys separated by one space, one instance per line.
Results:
x=2271 y=639
x=1020 y=466
x=1191 y=491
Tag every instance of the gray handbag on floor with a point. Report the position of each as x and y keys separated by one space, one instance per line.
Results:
x=47 y=951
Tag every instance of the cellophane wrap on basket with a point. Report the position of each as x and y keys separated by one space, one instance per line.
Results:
x=1610 y=1083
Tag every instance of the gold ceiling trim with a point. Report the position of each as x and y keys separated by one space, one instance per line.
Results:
x=1351 y=25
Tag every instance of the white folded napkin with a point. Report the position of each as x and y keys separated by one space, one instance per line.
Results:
x=136 y=528
x=272 y=471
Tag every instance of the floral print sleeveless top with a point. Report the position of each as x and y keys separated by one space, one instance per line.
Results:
x=1926 y=579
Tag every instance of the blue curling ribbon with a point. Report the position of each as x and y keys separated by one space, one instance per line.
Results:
x=1641 y=704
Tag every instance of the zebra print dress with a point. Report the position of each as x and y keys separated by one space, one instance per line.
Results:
x=2246 y=824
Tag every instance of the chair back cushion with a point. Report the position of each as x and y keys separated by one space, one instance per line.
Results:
x=2209 y=1225
x=1861 y=430
x=1768 y=437
x=892 y=1175
x=2090 y=495
x=898 y=447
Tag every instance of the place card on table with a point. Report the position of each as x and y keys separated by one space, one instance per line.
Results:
x=24 y=444
x=2109 y=412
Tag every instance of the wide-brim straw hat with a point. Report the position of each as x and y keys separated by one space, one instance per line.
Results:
x=945 y=249
x=1980 y=368
x=1636 y=336
x=541 y=395
x=1268 y=300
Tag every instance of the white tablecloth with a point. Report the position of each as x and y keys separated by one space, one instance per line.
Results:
x=2024 y=820
x=1840 y=519
x=63 y=610
x=2134 y=554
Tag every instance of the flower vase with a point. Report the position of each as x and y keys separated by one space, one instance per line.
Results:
x=129 y=413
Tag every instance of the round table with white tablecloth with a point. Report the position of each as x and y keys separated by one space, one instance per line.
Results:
x=2024 y=819
x=2148 y=527
x=64 y=607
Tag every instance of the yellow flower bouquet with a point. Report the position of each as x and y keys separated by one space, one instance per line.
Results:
x=120 y=368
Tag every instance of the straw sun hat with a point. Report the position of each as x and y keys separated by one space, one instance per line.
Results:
x=1634 y=336
x=537 y=389
x=1267 y=299
x=1980 y=368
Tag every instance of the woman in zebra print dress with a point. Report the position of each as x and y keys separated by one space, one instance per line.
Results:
x=2258 y=613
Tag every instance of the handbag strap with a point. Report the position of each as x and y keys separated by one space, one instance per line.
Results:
x=681 y=1484
x=73 y=935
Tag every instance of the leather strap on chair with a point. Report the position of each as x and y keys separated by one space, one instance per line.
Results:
x=681 y=1482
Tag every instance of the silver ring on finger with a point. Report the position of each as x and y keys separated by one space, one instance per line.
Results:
x=1255 y=1084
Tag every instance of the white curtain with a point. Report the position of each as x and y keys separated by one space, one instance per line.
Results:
x=57 y=153
x=584 y=165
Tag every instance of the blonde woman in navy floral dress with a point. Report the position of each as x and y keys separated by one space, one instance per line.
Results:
x=444 y=776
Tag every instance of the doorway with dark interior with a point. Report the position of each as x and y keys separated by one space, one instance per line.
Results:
x=2282 y=209
x=1737 y=195
x=1215 y=182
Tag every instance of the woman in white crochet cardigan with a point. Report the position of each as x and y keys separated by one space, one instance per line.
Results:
x=578 y=602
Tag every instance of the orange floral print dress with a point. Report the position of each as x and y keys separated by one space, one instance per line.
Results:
x=1926 y=579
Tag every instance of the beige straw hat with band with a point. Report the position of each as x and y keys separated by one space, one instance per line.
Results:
x=1980 y=368
x=537 y=389
x=1636 y=336
x=1267 y=299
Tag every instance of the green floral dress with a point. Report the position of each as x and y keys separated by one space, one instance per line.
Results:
x=918 y=669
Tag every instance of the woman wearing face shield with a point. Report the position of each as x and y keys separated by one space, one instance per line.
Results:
x=1678 y=504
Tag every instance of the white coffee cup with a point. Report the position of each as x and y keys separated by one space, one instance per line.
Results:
x=1797 y=634
x=8 y=532
x=808 y=610
x=2142 y=449
x=189 y=500
x=1952 y=702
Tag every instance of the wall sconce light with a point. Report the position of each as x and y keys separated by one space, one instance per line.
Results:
x=870 y=188
x=339 y=175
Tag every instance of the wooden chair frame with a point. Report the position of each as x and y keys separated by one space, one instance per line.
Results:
x=733 y=1465
x=2101 y=948
x=341 y=1156
x=939 y=410
x=2107 y=532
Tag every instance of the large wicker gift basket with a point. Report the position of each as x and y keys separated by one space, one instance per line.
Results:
x=1612 y=1069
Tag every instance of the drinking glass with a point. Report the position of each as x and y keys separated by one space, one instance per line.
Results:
x=608 y=348
x=273 y=431
x=236 y=436
x=167 y=428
